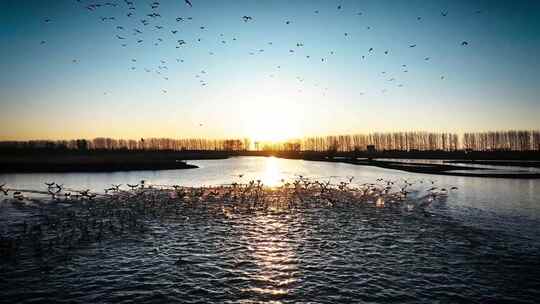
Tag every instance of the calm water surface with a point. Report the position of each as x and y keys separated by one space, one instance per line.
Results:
x=481 y=245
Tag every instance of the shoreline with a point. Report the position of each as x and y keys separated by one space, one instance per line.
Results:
x=124 y=161
x=89 y=168
x=99 y=162
x=434 y=169
x=506 y=163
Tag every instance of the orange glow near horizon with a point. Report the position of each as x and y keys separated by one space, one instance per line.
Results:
x=274 y=122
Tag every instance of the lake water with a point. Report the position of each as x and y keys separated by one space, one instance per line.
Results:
x=480 y=245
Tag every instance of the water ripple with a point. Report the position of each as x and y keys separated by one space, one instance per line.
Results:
x=323 y=255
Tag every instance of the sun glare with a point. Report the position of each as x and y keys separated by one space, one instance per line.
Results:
x=273 y=125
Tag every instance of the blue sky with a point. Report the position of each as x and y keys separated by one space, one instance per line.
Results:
x=80 y=82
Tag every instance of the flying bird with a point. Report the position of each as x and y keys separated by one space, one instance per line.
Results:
x=464 y=43
x=188 y=3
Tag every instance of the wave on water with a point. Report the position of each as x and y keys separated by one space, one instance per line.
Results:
x=304 y=240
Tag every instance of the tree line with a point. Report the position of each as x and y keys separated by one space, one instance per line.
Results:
x=413 y=141
x=502 y=141
x=512 y=140
x=143 y=144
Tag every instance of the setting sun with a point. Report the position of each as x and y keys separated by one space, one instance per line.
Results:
x=272 y=124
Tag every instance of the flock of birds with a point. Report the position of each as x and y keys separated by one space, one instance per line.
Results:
x=49 y=229
x=151 y=22
x=58 y=192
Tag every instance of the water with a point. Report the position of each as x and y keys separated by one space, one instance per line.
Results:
x=481 y=245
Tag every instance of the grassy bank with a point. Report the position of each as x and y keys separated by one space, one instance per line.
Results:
x=99 y=161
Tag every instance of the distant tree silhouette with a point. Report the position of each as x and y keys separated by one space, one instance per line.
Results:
x=511 y=140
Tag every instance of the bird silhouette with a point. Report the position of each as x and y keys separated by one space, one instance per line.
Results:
x=188 y=3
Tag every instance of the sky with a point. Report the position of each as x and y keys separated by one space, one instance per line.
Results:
x=65 y=73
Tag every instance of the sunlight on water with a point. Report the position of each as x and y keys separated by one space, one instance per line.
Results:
x=272 y=176
x=274 y=256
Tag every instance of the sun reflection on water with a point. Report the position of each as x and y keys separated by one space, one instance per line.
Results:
x=272 y=175
x=274 y=255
